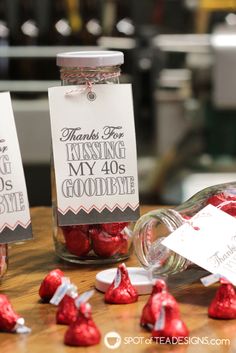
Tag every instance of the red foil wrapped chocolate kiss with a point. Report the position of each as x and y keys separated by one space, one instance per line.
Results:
x=121 y=291
x=77 y=239
x=106 y=245
x=152 y=308
x=64 y=297
x=114 y=228
x=169 y=328
x=10 y=321
x=83 y=332
x=67 y=311
x=49 y=285
x=223 y=305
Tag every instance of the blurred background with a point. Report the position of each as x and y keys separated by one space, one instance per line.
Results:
x=180 y=56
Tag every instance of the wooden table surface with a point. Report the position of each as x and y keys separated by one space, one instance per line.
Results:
x=32 y=260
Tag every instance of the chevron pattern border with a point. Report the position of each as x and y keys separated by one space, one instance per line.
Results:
x=95 y=216
x=19 y=233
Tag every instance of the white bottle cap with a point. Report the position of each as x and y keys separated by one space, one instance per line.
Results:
x=92 y=58
x=139 y=278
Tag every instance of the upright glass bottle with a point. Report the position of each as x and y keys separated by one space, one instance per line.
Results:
x=152 y=227
x=86 y=243
x=4 y=62
x=3 y=259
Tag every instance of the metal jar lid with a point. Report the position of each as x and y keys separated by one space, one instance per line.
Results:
x=90 y=58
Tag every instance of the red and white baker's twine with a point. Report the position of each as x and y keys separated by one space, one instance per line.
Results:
x=89 y=78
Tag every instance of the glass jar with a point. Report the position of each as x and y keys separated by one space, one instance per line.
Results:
x=152 y=227
x=90 y=243
x=3 y=259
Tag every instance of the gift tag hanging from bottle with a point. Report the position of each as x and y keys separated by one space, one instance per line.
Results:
x=15 y=223
x=94 y=154
x=94 y=145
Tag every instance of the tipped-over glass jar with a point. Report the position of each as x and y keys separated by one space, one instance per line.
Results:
x=152 y=227
x=90 y=243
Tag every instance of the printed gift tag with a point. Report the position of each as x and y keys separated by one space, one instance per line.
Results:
x=15 y=223
x=94 y=151
x=208 y=239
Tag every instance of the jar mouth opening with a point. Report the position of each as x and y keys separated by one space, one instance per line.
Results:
x=149 y=232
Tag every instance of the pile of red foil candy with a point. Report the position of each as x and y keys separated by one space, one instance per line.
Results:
x=160 y=314
x=106 y=240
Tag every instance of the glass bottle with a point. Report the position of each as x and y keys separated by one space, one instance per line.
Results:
x=4 y=42
x=3 y=259
x=152 y=227
x=96 y=243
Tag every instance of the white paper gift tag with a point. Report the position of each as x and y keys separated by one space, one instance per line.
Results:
x=94 y=152
x=208 y=239
x=15 y=223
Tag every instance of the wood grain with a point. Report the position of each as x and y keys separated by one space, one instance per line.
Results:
x=32 y=260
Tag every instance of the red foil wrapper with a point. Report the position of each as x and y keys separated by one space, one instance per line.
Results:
x=152 y=308
x=228 y=207
x=169 y=327
x=67 y=311
x=218 y=199
x=106 y=245
x=124 y=246
x=223 y=305
x=49 y=285
x=8 y=317
x=77 y=239
x=121 y=290
x=114 y=228
x=83 y=332
x=225 y=202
